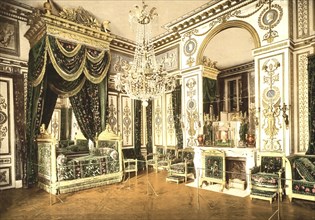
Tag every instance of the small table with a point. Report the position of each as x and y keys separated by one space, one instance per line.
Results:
x=176 y=179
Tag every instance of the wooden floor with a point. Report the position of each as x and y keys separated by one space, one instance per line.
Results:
x=136 y=199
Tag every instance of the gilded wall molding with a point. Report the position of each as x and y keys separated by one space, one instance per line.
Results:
x=268 y=19
x=303 y=110
x=270 y=101
x=191 y=112
x=170 y=127
x=127 y=121
x=270 y=48
x=158 y=122
x=112 y=113
x=302 y=18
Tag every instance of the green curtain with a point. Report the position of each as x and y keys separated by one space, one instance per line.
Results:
x=177 y=113
x=311 y=101
x=209 y=93
x=137 y=126
x=149 y=127
x=68 y=69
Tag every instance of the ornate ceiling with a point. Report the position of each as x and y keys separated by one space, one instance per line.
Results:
x=229 y=48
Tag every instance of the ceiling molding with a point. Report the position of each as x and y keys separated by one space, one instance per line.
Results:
x=15 y=10
x=198 y=18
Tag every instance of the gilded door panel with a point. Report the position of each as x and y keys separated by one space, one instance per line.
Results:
x=7 y=142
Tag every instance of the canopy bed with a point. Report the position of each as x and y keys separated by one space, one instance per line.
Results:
x=69 y=57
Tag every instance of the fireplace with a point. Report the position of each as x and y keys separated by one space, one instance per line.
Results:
x=236 y=172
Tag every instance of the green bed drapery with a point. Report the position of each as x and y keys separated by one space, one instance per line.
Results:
x=311 y=103
x=68 y=69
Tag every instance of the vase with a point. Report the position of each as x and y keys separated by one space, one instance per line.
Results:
x=251 y=140
x=201 y=139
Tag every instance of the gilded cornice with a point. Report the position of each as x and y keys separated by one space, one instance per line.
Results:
x=238 y=69
x=68 y=30
x=121 y=44
x=9 y=65
x=272 y=47
x=205 y=13
x=15 y=10
x=165 y=40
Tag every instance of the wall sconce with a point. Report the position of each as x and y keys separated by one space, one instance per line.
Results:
x=285 y=115
x=252 y=111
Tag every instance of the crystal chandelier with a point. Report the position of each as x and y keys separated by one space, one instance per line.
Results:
x=143 y=79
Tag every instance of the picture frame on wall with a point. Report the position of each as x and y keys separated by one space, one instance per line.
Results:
x=9 y=37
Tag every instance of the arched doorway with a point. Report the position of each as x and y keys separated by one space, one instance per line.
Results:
x=229 y=48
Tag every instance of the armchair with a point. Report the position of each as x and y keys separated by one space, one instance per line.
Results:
x=157 y=160
x=182 y=167
x=130 y=162
x=267 y=179
x=300 y=177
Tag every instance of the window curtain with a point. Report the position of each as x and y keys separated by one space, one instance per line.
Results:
x=311 y=101
x=177 y=113
x=137 y=130
x=149 y=127
x=67 y=69
x=209 y=93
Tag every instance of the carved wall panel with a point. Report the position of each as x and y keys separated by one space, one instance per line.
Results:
x=118 y=61
x=192 y=110
x=113 y=112
x=170 y=128
x=127 y=121
x=271 y=101
x=303 y=102
x=7 y=141
x=302 y=9
x=169 y=59
x=158 y=122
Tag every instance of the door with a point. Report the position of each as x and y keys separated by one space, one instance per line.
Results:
x=7 y=137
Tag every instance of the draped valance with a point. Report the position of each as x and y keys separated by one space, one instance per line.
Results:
x=73 y=62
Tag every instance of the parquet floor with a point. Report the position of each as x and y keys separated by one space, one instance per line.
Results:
x=136 y=199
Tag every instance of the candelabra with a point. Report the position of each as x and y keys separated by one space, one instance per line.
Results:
x=208 y=120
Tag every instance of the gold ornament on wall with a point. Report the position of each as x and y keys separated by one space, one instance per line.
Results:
x=268 y=19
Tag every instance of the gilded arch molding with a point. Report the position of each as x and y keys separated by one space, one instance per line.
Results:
x=222 y=27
